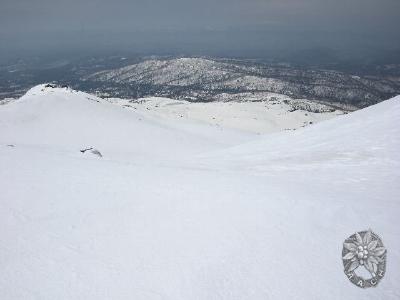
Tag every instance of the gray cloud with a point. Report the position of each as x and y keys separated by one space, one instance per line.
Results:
x=156 y=23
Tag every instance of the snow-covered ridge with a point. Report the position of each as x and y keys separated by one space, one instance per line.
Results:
x=255 y=117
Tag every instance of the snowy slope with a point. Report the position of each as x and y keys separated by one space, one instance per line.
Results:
x=184 y=211
x=367 y=136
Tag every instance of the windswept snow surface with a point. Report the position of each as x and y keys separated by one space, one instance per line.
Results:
x=178 y=210
x=257 y=117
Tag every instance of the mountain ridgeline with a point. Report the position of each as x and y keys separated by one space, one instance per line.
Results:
x=201 y=79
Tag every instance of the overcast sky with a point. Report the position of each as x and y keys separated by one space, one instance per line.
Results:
x=215 y=24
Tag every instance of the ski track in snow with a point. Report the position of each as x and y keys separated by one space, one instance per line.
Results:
x=182 y=210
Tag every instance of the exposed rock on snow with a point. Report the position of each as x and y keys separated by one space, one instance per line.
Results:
x=93 y=151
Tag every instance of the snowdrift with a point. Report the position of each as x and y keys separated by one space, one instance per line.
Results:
x=183 y=211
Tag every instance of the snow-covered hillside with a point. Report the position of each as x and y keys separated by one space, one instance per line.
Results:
x=180 y=210
x=207 y=79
